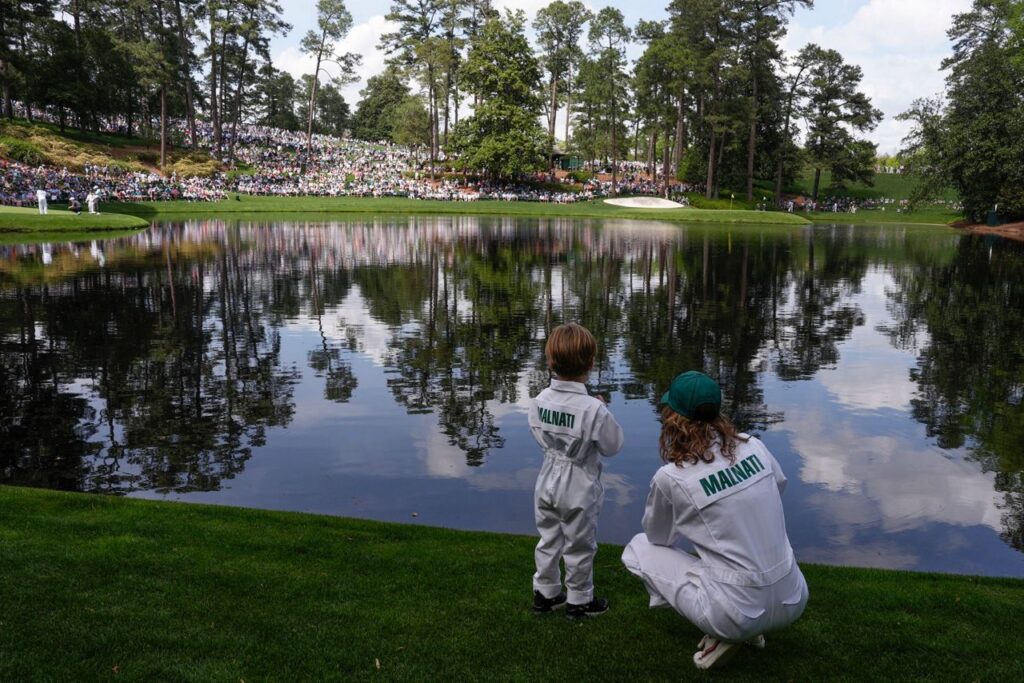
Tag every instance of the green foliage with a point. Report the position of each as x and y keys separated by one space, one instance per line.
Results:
x=380 y=100
x=410 y=123
x=22 y=150
x=559 y=27
x=236 y=173
x=503 y=137
x=194 y=164
x=580 y=176
x=975 y=143
x=834 y=107
x=278 y=93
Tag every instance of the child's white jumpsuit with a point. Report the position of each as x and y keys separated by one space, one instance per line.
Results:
x=574 y=429
x=745 y=581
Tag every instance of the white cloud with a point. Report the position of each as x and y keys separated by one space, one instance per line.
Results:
x=363 y=40
x=899 y=44
x=896 y=484
x=872 y=375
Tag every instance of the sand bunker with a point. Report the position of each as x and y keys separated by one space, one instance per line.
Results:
x=644 y=203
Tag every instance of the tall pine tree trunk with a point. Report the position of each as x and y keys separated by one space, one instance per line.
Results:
x=434 y=124
x=312 y=102
x=568 y=102
x=677 y=148
x=163 y=126
x=552 y=115
x=5 y=90
x=238 y=101
x=710 y=190
x=712 y=157
x=652 y=146
x=718 y=164
x=214 y=99
x=752 y=140
x=186 y=54
x=666 y=171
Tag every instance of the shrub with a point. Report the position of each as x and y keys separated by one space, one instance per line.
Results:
x=236 y=173
x=191 y=166
x=22 y=151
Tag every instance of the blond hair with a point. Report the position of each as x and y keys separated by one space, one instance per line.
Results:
x=689 y=441
x=570 y=350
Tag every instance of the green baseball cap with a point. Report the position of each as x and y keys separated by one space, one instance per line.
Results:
x=692 y=390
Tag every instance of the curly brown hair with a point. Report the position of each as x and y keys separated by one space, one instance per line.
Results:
x=689 y=441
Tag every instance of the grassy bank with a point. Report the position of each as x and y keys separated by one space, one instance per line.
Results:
x=98 y=588
x=43 y=143
x=17 y=224
x=255 y=207
x=884 y=186
x=925 y=216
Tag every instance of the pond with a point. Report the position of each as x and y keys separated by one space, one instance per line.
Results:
x=381 y=368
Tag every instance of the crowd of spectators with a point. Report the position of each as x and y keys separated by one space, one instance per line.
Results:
x=19 y=183
x=275 y=162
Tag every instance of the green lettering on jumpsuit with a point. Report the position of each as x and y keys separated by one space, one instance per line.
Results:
x=731 y=476
x=556 y=418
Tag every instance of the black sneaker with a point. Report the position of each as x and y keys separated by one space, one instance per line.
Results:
x=542 y=605
x=591 y=609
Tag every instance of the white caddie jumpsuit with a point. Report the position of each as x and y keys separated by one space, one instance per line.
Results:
x=744 y=581
x=574 y=429
x=41 y=201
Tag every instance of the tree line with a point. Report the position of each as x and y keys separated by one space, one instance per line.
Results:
x=133 y=65
x=971 y=137
x=711 y=99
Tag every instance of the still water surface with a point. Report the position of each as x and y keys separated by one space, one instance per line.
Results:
x=382 y=369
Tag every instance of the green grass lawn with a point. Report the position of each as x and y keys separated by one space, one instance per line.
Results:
x=18 y=223
x=922 y=216
x=247 y=206
x=886 y=185
x=98 y=588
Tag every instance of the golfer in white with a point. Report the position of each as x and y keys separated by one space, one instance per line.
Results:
x=41 y=200
x=720 y=491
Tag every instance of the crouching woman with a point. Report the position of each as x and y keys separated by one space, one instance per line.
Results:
x=720 y=491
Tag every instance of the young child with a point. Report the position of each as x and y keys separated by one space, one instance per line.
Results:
x=720 y=490
x=574 y=430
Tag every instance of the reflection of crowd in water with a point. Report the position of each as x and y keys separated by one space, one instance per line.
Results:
x=353 y=244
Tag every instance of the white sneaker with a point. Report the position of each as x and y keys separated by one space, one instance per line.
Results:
x=713 y=653
x=757 y=642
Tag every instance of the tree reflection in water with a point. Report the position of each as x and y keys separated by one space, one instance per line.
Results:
x=967 y=315
x=166 y=366
x=161 y=371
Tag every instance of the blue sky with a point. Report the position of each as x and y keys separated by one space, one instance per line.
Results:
x=898 y=43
